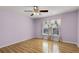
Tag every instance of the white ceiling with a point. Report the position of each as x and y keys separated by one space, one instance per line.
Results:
x=52 y=10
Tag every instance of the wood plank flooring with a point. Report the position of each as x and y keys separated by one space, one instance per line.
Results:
x=40 y=46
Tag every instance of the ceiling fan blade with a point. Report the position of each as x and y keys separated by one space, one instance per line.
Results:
x=31 y=14
x=43 y=10
x=27 y=10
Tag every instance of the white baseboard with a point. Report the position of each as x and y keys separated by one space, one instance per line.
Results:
x=11 y=43
x=70 y=42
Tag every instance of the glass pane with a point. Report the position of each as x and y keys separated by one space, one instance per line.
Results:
x=51 y=26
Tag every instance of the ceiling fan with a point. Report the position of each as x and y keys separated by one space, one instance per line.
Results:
x=36 y=11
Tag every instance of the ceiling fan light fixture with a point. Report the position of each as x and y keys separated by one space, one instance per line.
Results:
x=36 y=10
x=36 y=13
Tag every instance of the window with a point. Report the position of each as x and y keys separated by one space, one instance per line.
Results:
x=51 y=27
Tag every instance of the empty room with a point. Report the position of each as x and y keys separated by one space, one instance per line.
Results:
x=39 y=29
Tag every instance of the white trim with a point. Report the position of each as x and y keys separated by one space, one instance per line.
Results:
x=70 y=42
x=15 y=42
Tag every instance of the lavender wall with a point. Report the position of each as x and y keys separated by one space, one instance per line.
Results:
x=78 y=29
x=68 y=27
x=14 y=28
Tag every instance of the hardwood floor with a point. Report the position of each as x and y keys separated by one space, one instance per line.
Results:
x=40 y=46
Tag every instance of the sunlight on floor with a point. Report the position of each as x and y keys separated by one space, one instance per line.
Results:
x=55 y=48
x=48 y=48
x=45 y=46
